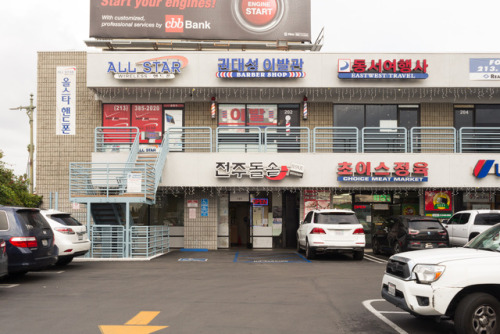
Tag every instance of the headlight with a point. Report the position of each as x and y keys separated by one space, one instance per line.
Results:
x=428 y=273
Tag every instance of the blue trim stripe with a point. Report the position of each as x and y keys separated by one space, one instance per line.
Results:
x=236 y=257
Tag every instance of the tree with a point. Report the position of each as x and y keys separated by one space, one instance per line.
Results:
x=14 y=189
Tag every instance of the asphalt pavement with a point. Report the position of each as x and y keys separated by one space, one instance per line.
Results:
x=225 y=291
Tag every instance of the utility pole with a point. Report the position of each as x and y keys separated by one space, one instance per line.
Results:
x=31 y=149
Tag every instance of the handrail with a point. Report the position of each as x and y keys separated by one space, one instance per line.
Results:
x=384 y=140
x=107 y=180
x=472 y=140
x=238 y=139
x=109 y=138
x=336 y=139
x=433 y=139
x=189 y=139
x=287 y=139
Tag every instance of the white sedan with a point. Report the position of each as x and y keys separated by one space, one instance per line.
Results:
x=71 y=237
x=331 y=231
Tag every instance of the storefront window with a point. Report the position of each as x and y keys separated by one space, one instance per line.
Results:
x=168 y=211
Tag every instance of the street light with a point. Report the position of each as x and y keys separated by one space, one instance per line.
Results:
x=29 y=111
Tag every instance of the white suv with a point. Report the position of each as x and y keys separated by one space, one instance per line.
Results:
x=462 y=284
x=331 y=231
x=71 y=237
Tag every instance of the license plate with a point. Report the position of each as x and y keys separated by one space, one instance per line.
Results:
x=391 y=289
x=428 y=246
x=80 y=236
x=339 y=232
x=45 y=243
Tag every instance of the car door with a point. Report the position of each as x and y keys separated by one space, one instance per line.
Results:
x=461 y=230
x=449 y=225
x=302 y=231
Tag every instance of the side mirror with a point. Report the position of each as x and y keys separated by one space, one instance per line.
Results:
x=445 y=221
x=301 y=222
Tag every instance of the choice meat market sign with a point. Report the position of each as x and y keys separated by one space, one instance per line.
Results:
x=382 y=172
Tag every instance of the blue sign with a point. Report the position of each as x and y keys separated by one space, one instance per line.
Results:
x=204 y=207
x=254 y=68
x=484 y=69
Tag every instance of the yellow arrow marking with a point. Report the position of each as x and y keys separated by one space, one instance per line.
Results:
x=136 y=325
x=142 y=318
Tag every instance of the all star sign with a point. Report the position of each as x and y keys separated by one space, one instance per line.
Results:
x=154 y=68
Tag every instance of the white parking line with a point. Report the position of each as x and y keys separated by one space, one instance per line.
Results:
x=8 y=286
x=374 y=259
x=378 y=314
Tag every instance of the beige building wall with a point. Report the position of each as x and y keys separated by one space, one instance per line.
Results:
x=53 y=153
x=200 y=232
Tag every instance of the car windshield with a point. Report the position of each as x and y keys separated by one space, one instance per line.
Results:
x=487 y=219
x=425 y=225
x=488 y=240
x=66 y=220
x=336 y=218
x=32 y=219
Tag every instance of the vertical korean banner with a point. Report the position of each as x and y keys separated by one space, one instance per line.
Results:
x=66 y=100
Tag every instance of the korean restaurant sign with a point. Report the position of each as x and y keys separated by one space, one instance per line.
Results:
x=484 y=68
x=66 y=101
x=238 y=68
x=262 y=20
x=257 y=170
x=382 y=172
x=165 y=67
x=382 y=69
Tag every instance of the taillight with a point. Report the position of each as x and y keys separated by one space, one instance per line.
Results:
x=359 y=231
x=64 y=230
x=24 y=242
x=443 y=233
x=317 y=230
x=413 y=232
x=3 y=245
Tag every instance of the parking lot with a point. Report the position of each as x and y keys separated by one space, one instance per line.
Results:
x=233 y=291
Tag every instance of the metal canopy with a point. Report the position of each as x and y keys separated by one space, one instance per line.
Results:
x=193 y=45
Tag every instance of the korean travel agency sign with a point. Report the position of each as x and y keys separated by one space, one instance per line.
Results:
x=243 y=68
x=262 y=20
x=382 y=69
x=165 y=67
x=381 y=171
x=257 y=170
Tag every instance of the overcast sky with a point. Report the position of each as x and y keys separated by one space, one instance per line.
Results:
x=372 y=26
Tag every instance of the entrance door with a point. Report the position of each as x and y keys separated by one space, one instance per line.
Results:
x=290 y=219
x=240 y=219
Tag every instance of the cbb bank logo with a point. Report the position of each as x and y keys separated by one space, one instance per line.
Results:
x=174 y=23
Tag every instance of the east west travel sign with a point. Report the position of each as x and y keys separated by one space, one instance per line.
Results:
x=382 y=68
x=262 y=20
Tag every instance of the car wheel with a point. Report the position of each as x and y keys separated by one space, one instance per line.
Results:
x=63 y=261
x=396 y=248
x=310 y=252
x=376 y=247
x=358 y=255
x=477 y=313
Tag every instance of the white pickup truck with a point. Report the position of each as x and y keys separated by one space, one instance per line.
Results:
x=462 y=284
x=463 y=226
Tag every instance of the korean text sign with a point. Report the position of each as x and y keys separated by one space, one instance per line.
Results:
x=66 y=101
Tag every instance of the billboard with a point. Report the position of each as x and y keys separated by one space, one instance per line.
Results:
x=260 y=20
